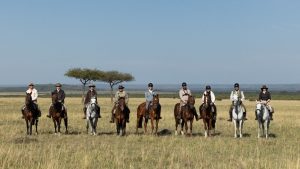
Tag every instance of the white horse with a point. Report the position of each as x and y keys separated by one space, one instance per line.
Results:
x=237 y=117
x=92 y=117
x=263 y=119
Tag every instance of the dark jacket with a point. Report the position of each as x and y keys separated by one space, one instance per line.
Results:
x=61 y=95
x=90 y=94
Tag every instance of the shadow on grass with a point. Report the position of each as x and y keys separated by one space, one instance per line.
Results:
x=246 y=135
x=25 y=140
x=164 y=132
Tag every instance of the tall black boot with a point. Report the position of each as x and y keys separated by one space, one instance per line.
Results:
x=255 y=115
x=112 y=120
x=244 y=115
x=271 y=115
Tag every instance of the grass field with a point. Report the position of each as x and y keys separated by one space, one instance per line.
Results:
x=106 y=150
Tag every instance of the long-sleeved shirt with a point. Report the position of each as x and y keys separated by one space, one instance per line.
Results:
x=184 y=95
x=212 y=96
x=60 y=94
x=149 y=95
x=119 y=94
x=238 y=94
x=264 y=96
x=34 y=94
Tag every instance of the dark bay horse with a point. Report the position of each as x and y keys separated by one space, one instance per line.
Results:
x=30 y=114
x=57 y=114
x=154 y=111
x=120 y=116
x=187 y=115
x=207 y=115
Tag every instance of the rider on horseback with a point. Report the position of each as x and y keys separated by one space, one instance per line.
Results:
x=61 y=98
x=89 y=95
x=264 y=98
x=149 y=99
x=240 y=95
x=213 y=99
x=184 y=94
x=121 y=93
x=34 y=97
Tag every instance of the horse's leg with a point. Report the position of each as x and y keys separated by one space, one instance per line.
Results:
x=235 y=128
x=156 y=127
x=55 y=126
x=30 y=126
x=241 y=128
x=36 y=126
x=59 y=124
x=266 y=129
x=191 y=127
x=186 y=127
x=145 y=126
x=27 y=127
x=66 y=125
x=182 y=125
x=152 y=125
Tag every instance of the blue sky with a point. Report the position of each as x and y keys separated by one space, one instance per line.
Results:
x=167 y=41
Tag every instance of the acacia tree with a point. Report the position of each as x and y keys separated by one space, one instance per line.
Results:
x=113 y=78
x=85 y=76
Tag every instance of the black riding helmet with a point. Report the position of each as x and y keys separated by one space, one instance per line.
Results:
x=236 y=85
x=183 y=84
x=208 y=87
x=121 y=87
x=150 y=85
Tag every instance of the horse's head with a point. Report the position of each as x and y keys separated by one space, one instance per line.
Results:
x=155 y=101
x=191 y=101
x=54 y=97
x=28 y=99
x=121 y=103
x=207 y=100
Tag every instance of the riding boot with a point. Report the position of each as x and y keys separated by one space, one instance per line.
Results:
x=159 y=117
x=255 y=115
x=230 y=114
x=127 y=118
x=112 y=120
x=98 y=112
x=22 y=110
x=48 y=115
x=244 y=115
x=271 y=115
x=84 y=113
x=195 y=114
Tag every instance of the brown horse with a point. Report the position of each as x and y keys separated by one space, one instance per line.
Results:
x=186 y=114
x=57 y=114
x=207 y=115
x=154 y=111
x=120 y=116
x=30 y=114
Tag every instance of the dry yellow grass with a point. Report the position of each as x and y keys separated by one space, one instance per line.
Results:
x=106 y=150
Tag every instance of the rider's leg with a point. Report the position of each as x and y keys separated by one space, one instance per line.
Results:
x=214 y=112
x=22 y=110
x=158 y=111
x=98 y=111
x=39 y=113
x=127 y=112
x=112 y=119
x=258 y=107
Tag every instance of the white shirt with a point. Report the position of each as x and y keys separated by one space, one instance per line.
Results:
x=34 y=94
x=212 y=96
x=235 y=94
x=184 y=95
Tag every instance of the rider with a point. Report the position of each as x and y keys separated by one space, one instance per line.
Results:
x=240 y=95
x=34 y=97
x=120 y=93
x=92 y=93
x=213 y=99
x=61 y=98
x=264 y=98
x=184 y=94
x=149 y=99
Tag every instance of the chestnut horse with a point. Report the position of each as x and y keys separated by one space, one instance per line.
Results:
x=120 y=116
x=154 y=111
x=207 y=115
x=30 y=114
x=185 y=115
x=57 y=114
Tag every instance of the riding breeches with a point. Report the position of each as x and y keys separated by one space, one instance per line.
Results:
x=269 y=107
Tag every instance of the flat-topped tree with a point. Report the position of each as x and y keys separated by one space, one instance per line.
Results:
x=114 y=77
x=85 y=76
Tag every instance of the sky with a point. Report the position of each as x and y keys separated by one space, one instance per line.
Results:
x=159 y=41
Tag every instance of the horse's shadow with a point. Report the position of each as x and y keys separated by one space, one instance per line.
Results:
x=106 y=133
x=25 y=140
x=164 y=132
x=246 y=135
x=272 y=135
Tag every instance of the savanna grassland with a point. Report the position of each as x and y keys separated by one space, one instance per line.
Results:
x=106 y=150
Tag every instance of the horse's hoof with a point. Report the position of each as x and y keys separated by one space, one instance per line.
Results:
x=176 y=133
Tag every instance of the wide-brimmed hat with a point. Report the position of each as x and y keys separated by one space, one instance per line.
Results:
x=57 y=85
x=264 y=87
x=121 y=87
x=92 y=85
x=30 y=84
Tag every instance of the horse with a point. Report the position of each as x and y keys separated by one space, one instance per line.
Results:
x=206 y=113
x=263 y=119
x=30 y=114
x=57 y=113
x=120 y=116
x=237 y=117
x=187 y=115
x=92 y=117
x=154 y=111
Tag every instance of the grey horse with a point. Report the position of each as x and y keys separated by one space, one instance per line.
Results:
x=92 y=117
x=263 y=119
x=237 y=117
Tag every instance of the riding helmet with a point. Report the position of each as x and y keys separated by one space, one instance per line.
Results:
x=121 y=87
x=236 y=85
x=31 y=84
x=208 y=87
x=264 y=87
x=150 y=85
x=183 y=84
x=58 y=85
